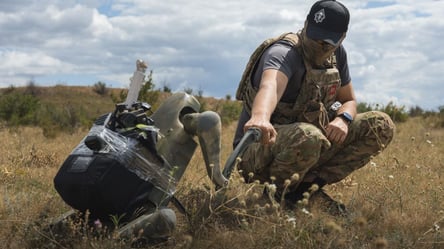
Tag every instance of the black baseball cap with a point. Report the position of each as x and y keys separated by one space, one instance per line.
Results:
x=328 y=21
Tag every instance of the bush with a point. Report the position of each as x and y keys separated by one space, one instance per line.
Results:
x=167 y=89
x=100 y=88
x=18 y=108
x=364 y=107
x=120 y=98
x=398 y=114
x=146 y=94
x=54 y=119
x=230 y=111
x=32 y=88
x=416 y=111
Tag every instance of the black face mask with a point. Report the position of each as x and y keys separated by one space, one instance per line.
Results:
x=316 y=53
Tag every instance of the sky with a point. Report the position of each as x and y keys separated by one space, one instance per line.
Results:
x=393 y=46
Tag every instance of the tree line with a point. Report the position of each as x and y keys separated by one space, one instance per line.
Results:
x=24 y=106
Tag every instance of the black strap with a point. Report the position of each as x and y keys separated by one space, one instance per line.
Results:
x=179 y=206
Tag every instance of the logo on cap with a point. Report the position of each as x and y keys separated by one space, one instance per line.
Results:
x=319 y=16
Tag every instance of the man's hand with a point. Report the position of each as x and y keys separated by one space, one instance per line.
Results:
x=337 y=130
x=268 y=132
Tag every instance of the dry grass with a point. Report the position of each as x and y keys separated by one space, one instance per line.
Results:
x=395 y=202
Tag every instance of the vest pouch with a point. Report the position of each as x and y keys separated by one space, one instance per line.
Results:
x=316 y=114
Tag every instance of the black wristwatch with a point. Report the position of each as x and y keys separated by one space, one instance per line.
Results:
x=346 y=116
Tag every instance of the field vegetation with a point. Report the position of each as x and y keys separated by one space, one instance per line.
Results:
x=396 y=201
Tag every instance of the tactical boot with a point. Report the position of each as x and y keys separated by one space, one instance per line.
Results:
x=324 y=202
x=292 y=197
x=317 y=197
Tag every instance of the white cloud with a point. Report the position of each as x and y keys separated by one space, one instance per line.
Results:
x=393 y=46
x=36 y=63
x=100 y=25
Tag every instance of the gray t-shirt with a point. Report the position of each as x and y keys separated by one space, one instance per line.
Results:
x=285 y=58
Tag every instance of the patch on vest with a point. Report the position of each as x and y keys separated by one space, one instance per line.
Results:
x=333 y=90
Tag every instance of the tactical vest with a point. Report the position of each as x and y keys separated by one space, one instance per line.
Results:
x=318 y=91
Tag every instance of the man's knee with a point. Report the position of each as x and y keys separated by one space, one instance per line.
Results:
x=302 y=136
x=378 y=126
x=298 y=147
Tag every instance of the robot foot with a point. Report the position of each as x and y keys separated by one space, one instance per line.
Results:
x=156 y=226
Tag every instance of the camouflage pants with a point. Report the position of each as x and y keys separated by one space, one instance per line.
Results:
x=302 y=148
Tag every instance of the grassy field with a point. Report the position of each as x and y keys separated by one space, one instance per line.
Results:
x=396 y=201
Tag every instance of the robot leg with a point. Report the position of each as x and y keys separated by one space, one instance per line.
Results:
x=157 y=225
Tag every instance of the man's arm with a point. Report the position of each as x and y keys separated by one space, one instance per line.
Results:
x=337 y=129
x=346 y=96
x=271 y=89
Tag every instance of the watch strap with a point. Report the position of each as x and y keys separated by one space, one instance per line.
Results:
x=347 y=117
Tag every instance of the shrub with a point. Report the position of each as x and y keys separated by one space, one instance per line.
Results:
x=32 y=88
x=100 y=88
x=364 y=107
x=147 y=93
x=166 y=89
x=230 y=111
x=18 y=108
x=120 y=97
x=416 y=111
x=54 y=119
x=398 y=114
